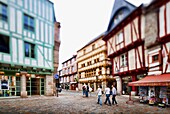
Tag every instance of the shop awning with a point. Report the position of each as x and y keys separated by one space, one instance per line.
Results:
x=157 y=80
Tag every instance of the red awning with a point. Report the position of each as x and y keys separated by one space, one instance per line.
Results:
x=157 y=80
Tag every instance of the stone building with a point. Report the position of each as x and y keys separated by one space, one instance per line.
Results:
x=68 y=79
x=94 y=68
x=26 y=47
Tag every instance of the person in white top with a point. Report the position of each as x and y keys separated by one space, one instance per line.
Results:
x=90 y=90
x=99 y=93
x=114 y=95
x=107 y=92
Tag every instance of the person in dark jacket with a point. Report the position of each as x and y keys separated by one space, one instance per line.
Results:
x=87 y=91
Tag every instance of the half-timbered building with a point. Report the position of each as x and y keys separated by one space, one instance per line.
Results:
x=157 y=43
x=125 y=44
x=26 y=47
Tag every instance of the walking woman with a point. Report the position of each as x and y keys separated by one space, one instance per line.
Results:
x=99 y=93
x=107 y=92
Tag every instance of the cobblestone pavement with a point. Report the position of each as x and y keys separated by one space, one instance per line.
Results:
x=70 y=102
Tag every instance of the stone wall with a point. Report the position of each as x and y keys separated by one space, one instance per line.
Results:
x=49 y=85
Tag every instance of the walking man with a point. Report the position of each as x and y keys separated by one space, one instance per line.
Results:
x=99 y=93
x=107 y=92
x=114 y=95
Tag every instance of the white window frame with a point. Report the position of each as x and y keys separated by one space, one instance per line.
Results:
x=119 y=38
x=123 y=60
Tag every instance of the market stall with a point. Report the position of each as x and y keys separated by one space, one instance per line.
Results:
x=154 y=89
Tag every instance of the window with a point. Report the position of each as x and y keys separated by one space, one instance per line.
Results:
x=155 y=58
x=118 y=17
x=83 y=65
x=119 y=38
x=124 y=60
x=4 y=44
x=72 y=68
x=29 y=50
x=28 y=23
x=84 y=51
x=93 y=46
x=3 y=12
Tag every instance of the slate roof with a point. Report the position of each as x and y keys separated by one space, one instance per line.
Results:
x=118 y=5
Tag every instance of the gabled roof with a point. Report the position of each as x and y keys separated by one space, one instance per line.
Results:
x=118 y=5
x=93 y=40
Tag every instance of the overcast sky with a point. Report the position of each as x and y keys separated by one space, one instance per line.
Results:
x=81 y=21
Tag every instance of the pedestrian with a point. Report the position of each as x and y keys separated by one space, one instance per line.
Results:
x=90 y=90
x=99 y=94
x=114 y=95
x=87 y=90
x=107 y=92
x=124 y=89
x=84 y=89
x=67 y=87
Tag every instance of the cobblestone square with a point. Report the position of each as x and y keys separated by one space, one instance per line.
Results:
x=71 y=102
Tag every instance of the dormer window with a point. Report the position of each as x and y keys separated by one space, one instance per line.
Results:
x=118 y=17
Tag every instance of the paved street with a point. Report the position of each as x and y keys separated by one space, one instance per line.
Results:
x=70 y=102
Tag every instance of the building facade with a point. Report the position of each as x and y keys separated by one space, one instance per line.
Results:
x=26 y=47
x=157 y=33
x=94 y=68
x=125 y=45
x=56 y=53
x=68 y=79
x=56 y=46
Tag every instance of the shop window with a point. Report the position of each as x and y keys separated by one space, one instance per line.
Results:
x=4 y=44
x=3 y=12
x=29 y=50
x=155 y=58
x=28 y=23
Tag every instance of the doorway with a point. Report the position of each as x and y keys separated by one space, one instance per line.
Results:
x=35 y=86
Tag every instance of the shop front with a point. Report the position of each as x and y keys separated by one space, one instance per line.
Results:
x=12 y=85
x=154 y=89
